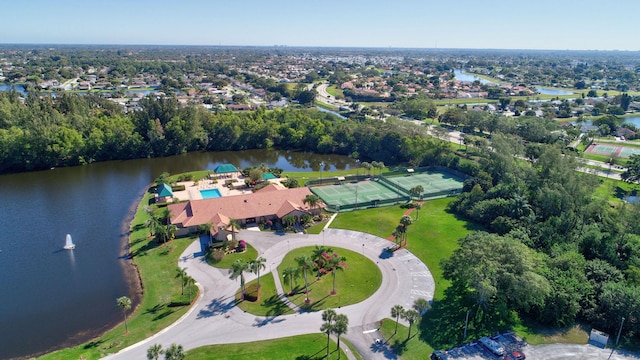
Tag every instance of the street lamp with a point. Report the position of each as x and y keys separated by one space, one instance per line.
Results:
x=619 y=331
x=321 y=166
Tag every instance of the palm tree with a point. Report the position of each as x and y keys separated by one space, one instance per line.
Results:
x=154 y=351
x=256 y=265
x=405 y=221
x=289 y=274
x=421 y=305
x=305 y=263
x=311 y=200
x=189 y=282
x=237 y=270
x=125 y=304
x=417 y=206
x=416 y=191
x=411 y=316
x=336 y=263
x=328 y=316
x=396 y=312
x=174 y=352
x=182 y=274
x=235 y=225
x=340 y=326
x=289 y=221
x=398 y=233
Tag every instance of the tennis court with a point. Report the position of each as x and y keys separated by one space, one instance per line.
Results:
x=364 y=194
x=434 y=183
x=603 y=149
x=628 y=151
x=621 y=151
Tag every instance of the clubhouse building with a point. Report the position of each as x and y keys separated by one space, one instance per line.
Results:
x=272 y=202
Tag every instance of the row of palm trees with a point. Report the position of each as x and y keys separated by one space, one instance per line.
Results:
x=239 y=267
x=173 y=352
x=420 y=305
x=400 y=232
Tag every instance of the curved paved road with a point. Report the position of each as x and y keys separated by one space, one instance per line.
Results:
x=214 y=319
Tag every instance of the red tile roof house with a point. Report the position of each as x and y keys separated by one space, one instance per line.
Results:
x=269 y=203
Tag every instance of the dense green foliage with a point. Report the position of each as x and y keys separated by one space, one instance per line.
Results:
x=44 y=132
x=558 y=254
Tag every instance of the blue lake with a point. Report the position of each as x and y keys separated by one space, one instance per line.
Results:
x=463 y=76
x=547 y=91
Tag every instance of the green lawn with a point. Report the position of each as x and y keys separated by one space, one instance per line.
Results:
x=408 y=347
x=157 y=265
x=311 y=346
x=357 y=282
x=269 y=304
x=433 y=237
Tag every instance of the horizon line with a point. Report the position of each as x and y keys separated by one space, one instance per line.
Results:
x=281 y=46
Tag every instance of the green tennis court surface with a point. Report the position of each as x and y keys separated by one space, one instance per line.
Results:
x=363 y=193
x=431 y=182
x=604 y=149
x=628 y=151
x=388 y=190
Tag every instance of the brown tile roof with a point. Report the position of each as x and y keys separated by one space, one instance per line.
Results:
x=268 y=201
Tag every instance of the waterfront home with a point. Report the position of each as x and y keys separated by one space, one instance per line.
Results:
x=270 y=203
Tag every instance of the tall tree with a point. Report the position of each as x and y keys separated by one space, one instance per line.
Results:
x=154 y=351
x=182 y=274
x=396 y=312
x=189 y=282
x=421 y=305
x=336 y=263
x=124 y=303
x=340 y=326
x=416 y=191
x=320 y=256
x=328 y=316
x=237 y=271
x=411 y=316
x=305 y=263
x=235 y=225
x=256 y=265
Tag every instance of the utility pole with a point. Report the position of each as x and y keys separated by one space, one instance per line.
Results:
x=466 y=322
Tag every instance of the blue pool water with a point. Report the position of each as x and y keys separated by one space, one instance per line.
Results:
x=210 y=193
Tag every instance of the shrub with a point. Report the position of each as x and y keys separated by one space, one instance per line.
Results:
x=178 y=188
x=252 y=292
x=216 y=254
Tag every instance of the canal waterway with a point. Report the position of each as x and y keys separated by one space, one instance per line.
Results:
x=53 y=298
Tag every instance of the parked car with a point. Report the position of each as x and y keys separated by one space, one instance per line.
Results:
x=516 y=355
x=439 y=355
x=492 y=345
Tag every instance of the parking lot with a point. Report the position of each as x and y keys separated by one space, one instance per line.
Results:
x=511 y=342
x=475 y=350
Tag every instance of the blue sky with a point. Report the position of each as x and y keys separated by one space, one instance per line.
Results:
x=502 y=24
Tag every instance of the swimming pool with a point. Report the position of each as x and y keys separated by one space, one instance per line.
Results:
x=210 y=193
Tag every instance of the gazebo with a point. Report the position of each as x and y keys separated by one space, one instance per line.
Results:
x=164 y=192
x=225 y=171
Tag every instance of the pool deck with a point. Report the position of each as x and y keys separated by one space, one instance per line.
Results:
x=192 y=189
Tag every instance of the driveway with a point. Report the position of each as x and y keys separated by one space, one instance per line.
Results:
x=214 y=318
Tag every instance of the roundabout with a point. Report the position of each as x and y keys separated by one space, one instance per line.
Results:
x=215 y=318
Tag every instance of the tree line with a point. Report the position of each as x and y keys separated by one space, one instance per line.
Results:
x=554 y=250
x=44 y=132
